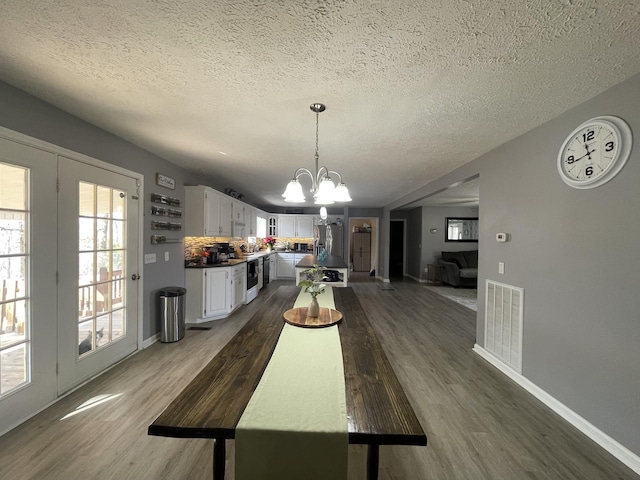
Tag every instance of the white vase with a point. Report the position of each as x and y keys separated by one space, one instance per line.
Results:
x=314 y=308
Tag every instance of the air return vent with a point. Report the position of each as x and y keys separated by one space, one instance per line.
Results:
x=503 y=323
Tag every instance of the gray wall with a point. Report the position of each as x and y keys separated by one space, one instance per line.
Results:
x=575 y=254
x=433 y=244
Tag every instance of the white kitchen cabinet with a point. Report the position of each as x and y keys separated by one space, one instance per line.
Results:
x=273 y=266
x=207 y=293
x=226 y=227
x=251 y=220
x=202 y=212
x=238 y=288
x=261 y=225
x=207 y=212
x=214 y=293
x=285 y=265
x=272 y=226
x=304 y=226
x=286 y=226
x=238 y=211
x=300 y=226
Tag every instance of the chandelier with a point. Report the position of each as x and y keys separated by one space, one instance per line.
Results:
x=324 y=191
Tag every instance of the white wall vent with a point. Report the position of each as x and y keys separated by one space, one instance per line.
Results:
x=503 y=323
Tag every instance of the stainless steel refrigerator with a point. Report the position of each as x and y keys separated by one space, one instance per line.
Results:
x=330 y=238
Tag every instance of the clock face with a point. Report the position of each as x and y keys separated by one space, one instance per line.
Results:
x=594 y=152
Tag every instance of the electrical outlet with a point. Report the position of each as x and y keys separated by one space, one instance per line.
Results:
x=501 y=268
x=166 y=256
x=149 y=258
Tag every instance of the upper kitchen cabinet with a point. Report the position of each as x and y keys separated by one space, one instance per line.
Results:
x=272 y=226
x=207 y=212
x=251 y=220
x=202 y=212
x=304 y=226
x=226 y=209
x=295 y=226
x=238 y=211
x=261 y=224
x=286 y=226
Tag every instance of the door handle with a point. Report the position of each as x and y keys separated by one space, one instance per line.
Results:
x=135 y=276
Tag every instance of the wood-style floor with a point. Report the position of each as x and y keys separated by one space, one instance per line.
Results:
x=480 y=425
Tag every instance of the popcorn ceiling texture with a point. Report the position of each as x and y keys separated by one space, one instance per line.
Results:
x=413 y=88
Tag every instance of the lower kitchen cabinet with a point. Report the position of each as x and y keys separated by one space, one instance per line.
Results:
x=286 y=264
x=238 y=289
x=213 y=293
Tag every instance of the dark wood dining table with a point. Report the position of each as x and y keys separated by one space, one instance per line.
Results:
x=378 y=411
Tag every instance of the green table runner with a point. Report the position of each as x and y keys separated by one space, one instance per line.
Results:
x=295 y=425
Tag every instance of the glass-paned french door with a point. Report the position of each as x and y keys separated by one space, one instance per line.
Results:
x=98 y=268
x=15 y=331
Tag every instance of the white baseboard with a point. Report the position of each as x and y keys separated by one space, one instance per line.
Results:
x=150 y=341
x=612 y=446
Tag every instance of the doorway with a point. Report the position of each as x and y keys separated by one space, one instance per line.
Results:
x=397 y=248
x=363 y=246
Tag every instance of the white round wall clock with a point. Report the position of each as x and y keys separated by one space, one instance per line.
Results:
x=595 y=152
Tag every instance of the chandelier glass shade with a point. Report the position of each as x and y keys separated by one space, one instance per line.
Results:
x=323 y=189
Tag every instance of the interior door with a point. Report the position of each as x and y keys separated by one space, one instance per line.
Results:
x=27 y=281
x=98 y=270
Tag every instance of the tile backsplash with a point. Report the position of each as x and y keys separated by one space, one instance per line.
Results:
x=194 y=245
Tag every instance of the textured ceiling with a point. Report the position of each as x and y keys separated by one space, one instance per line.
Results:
x=413 y=89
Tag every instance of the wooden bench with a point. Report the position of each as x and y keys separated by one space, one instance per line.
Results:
x=378 y=411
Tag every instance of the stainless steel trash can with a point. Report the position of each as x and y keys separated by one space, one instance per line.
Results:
x=172 y=313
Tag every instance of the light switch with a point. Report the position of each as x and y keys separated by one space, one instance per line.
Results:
x=149 y=258
x=501 y=268
x=166 y=256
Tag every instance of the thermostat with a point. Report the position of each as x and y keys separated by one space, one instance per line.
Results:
x=502 y=237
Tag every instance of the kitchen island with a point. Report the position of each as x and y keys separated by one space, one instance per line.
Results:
x=330 y=263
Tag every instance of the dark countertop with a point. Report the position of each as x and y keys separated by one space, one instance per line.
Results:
x=331 y=262
x=230 y=263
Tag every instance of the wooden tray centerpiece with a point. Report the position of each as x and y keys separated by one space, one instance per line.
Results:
x=298 y=317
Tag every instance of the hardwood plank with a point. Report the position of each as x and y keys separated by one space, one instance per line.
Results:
x=378 y=411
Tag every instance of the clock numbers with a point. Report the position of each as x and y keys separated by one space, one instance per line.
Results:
x=570 y=159
x=588 y=171
x=588 y=136
x=608 y=146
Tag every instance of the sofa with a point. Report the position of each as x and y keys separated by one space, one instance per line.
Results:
x=459 y=269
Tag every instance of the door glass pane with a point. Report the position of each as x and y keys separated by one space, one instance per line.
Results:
x=101 y=274
x=103 y=234
x=87 y=206
x=14 y=367
x=14 y=232
x=87 y=237
x=14 y=278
